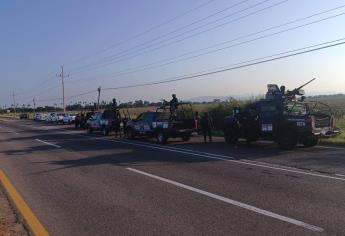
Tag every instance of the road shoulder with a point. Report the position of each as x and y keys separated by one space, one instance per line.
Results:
x=10 y=223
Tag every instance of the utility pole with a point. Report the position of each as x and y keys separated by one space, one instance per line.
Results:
x=99 y=95
x=33 y=100
x=62 y=75
x=14 y=103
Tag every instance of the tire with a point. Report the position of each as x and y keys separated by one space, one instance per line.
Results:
x=287 y=138
x=310 y=141
x=161 y=137
x=185 y=138
x=130 y=133
x=90 y=130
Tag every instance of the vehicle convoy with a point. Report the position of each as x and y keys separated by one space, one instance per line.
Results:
x=52 y=117
x=101 y=121
x=163 y=123
x=285 y=117
x=68 y=118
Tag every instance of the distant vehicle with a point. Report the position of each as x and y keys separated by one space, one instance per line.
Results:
x=23 y=116
x=284 y=117
x=101 y=121
x=60 y=117
x=68 y=118
x=36 y=117
x=52 y=117
x=42 y=117
x=162 y=124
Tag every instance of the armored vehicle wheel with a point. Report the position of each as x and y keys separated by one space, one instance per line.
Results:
x=287 y=138
x=130 y=134
x=310 y=141
x=161 y=137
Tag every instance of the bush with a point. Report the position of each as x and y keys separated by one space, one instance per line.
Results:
x=220 y=111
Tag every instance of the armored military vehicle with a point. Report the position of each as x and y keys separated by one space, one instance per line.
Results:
x=285 y=117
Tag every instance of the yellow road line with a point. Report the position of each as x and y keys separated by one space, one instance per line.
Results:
x=30 y=218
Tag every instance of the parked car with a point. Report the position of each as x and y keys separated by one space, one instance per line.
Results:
x=68 y=118
x=60 y=117
x=42 y=117
x=52 y=117
x=36 y=117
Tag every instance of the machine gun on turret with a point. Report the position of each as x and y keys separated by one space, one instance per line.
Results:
x=298 y=91
x=274 y=92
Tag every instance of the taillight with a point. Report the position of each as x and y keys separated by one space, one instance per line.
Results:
x=310 y=122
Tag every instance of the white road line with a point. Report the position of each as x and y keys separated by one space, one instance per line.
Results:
x=233 y=202
x=329 y=147
x=206 y=155
x=229 y=160
x=51 y=144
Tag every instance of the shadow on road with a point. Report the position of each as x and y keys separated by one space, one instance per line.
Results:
x=97 y=151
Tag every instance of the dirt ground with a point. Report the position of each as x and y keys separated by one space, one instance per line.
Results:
x=10 y=225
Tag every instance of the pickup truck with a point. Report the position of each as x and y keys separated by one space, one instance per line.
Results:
x=161 y=125
x=101 y=121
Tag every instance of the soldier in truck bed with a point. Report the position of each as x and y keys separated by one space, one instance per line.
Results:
x=173 y=105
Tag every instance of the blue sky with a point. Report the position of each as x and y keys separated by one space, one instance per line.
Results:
x=38 y=36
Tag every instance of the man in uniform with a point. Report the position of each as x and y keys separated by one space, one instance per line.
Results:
x=173 y=105
x=117 y=119
x=206 y=126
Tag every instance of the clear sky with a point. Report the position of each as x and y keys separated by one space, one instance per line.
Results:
x=96 y=40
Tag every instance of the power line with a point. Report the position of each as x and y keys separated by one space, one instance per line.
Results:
x=206 y=24
x=132 y=38
x=112 y=59
x=68 y=97
x=197 y=21
x=172 y=61
x=252 y=62
x=226 y=69
x=146 y=31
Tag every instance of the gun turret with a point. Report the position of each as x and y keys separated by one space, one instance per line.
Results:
x=299 y=91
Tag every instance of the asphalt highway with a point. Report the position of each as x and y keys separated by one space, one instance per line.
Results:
x=81 y=184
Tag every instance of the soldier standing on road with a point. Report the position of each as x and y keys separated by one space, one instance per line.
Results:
x=117 y=119
x=77 y=121
x=206 y=126
x=197 y=121
x=82 y=121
